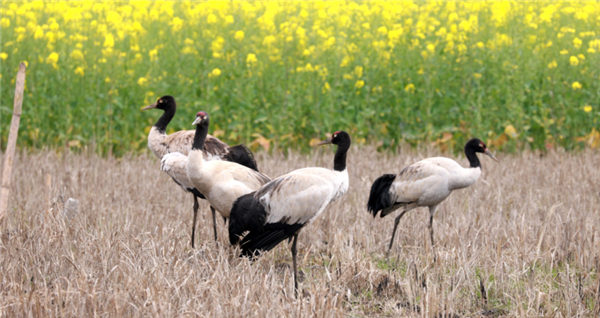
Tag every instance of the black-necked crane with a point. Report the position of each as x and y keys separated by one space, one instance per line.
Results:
x=221 y=182
x=173 y=150
x=425 y=184
x=282 y=207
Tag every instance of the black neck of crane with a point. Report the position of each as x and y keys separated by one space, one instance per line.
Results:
x=339 y=161
x=166 y=117
x=472 y=157
x=200 y=137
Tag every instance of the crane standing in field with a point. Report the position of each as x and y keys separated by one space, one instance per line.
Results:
x=282 y=207
x=221 y=182
x=173 y=150
x=425 y=183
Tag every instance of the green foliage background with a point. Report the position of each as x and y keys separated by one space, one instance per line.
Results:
x=387 y=72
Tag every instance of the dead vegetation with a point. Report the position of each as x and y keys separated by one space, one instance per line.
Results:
x=523 y=241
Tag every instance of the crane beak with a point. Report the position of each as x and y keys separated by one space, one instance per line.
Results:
x=491 y=155
x=324 y=142
x=148 y=107
x=197 y=121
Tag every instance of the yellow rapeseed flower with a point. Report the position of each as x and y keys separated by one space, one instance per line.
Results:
x=239 y=35
x=576 y=86
x=77 y=54
x=552 y=64
x=577 y=43
x=410 y=88
x=5 y=22
x=109 y=40
x=229 y=19
x=477 y=75
x=480 y=45
x=326 y=88
x=574 y=60
x=79 y=70
x=591 y=50
x=268 y=40
x=251 y=59
x=587 y=108
x=359 y=84
x=176 y=24
x=358 y=71
x=581 y=57
x=52 y=58
x=211 y=19
x=3 y=56
x=39 y=33
x=153 y=54
x=216 y=72
x=142 y=81
x=564 y=52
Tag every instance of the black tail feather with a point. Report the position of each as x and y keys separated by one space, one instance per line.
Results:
x=247 y=214
x=380 y=197
x=272 y=234
x=242 y=155
x=197 y=193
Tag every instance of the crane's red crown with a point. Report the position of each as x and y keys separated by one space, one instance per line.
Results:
x=201 y=114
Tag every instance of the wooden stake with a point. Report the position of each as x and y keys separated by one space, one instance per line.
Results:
x=12 y=141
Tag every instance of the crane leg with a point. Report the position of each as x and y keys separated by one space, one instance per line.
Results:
x=431 y=214
x=431 y=235
x=396 y=221
x=194 y=221
x=214 y=221
x=294 y=253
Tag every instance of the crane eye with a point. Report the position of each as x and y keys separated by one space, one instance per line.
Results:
x=334 y=136
x=481 y=145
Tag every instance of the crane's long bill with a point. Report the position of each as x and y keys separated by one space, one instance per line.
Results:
x=324 y=142
x=197 y=121
x=491 y=155
x=149 y=107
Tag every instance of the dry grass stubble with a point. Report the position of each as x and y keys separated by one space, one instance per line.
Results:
x=523 y=241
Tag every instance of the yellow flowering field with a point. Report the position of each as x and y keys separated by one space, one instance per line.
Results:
x=277 y=74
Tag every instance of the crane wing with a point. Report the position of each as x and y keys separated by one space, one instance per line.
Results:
x=181 y=141
x=174 y=164
x=295 y=198
x=416 y=180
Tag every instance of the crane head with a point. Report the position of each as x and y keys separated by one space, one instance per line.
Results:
x=161 y=103
x=479 y=146
x=336 y=138
x=201 y=117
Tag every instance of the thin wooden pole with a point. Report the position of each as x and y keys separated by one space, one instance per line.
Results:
x=12 y=141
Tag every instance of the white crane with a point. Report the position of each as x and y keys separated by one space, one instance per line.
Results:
x=173 y=150
x=425 y=183
x=282 y=207
x=221 y=182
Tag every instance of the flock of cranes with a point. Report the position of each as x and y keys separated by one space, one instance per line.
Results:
x=263 y=212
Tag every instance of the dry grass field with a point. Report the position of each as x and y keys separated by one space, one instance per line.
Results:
x=524 y=241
